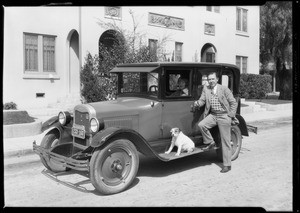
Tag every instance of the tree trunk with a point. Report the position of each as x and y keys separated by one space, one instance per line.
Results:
x=284 y=80
x=285 y=86
x=274 y=81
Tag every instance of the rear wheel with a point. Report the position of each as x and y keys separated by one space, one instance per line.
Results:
x=236 y=143
x=113 y=168
x=49 y=141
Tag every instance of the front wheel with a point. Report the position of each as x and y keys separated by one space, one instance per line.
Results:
x=49 y=141
x=236 y=144
x=113 y=168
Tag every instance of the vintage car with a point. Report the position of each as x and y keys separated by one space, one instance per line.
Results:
x=105 y=138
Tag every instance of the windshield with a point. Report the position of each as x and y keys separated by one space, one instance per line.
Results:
x=139 y=83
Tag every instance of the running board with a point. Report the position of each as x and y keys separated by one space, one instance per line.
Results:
x=197 y=150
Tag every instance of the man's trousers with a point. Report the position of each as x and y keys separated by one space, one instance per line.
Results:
x=224 y=125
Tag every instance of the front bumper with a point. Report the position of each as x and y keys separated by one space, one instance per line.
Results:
x=62 y=155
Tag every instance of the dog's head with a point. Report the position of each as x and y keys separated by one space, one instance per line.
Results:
x=175 y=132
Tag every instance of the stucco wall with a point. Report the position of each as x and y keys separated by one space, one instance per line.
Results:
x=61 y=21
x=41 y=20
x=225 y=40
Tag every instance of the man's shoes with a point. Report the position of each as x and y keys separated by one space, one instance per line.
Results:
x=226 y=169
x=208 y=146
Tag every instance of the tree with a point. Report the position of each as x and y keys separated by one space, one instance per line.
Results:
x=276 y=43
x=129 y=47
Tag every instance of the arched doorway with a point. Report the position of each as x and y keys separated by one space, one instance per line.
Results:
x=108 y=39
x=208 y=53
x=74 y=69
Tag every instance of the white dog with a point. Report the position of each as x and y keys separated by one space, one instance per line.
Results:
x=180 y=140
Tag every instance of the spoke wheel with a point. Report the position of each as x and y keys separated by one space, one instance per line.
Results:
x=113 y=168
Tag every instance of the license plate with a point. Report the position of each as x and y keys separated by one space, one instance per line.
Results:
x=78 y=131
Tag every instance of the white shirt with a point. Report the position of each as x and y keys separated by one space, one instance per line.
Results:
x=215 y=90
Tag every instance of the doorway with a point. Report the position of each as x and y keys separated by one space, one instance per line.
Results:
x=74 y=69
x=208 y=53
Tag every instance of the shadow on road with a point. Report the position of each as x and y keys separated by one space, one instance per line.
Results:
x=152 y=167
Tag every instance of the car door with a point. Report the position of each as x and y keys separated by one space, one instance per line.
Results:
x=176 y=107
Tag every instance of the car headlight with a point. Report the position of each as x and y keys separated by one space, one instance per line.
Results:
x=64 y=118
x=94 y=123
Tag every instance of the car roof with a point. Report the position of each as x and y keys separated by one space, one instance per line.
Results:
x=150 y=66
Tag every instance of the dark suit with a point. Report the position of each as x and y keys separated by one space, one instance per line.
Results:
x=223 y=120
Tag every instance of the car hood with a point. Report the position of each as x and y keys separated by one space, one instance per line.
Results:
x=120 y=107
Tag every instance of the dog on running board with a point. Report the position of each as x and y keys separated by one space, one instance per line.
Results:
x=183 y=142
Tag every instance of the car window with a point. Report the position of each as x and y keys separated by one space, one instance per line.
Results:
x=178 y=83
x=227 y=79
x=200 y=79
x=142 y=83
x=152 y=83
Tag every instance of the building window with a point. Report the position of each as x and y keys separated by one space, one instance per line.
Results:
x=209 y=29
x=209 y=8
x=39 y=53
x=153 y=49
x=241 y=19
x=31 y=53
x=210 y=57
x=48 y=54
x=242 y=63
x=178 y=51
x=216 y=9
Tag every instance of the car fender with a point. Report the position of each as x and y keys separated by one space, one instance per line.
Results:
x=103 y=137
x=50 y=123
x=242 y=125
x=53 y=125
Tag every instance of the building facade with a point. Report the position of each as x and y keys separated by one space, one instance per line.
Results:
x=45 y=47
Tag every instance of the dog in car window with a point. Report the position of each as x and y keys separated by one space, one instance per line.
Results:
x=183 y=142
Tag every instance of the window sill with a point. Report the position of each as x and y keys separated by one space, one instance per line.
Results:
x=211 y=34
x=242 y=34
x=40 y=76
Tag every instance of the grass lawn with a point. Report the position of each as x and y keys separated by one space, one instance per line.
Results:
x=16 y=117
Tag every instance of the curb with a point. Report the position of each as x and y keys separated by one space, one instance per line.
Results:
x=18 y=153
x=22 y=130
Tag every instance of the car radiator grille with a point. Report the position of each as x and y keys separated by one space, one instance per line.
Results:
x=82 y=119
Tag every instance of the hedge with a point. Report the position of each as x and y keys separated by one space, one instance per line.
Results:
x=254 y=86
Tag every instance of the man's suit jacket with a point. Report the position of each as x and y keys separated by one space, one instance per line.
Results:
x=225 y=97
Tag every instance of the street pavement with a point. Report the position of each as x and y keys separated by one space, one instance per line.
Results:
x=22 y=146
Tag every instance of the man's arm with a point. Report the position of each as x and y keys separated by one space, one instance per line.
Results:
x=202 y=100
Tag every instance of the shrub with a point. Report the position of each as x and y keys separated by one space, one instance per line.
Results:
x=9 y=105
x=253 y=86
x=91 y=90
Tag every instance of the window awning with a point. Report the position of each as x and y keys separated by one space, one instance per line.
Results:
x=133 y=69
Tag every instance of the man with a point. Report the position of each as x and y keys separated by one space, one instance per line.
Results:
x=182 y=88
x=220 y=109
